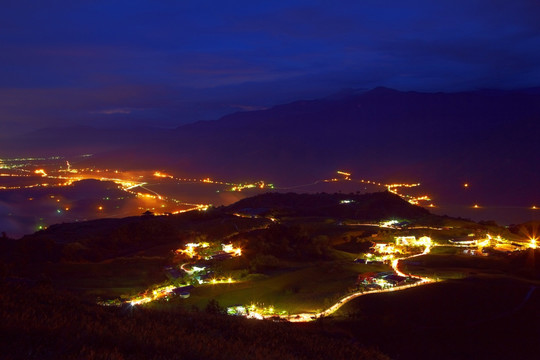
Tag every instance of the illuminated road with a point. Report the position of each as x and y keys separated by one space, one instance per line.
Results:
x=393 y=188
x=305 y=317
x=332 y=309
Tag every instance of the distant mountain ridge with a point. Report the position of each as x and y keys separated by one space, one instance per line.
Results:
x=440 y=139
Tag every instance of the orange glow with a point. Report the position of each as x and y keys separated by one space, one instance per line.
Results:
x=230 y=249
x=162 y=175
x=533 y=242
x=41 y=171
x=189 y=251
x=346 y=174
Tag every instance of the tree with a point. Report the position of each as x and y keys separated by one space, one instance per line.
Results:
x=214 y=308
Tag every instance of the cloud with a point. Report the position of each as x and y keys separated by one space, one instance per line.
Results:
x=173 y=62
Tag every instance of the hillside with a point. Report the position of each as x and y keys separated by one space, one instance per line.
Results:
x=101 y=239
x=299 y=260
x=373 y=206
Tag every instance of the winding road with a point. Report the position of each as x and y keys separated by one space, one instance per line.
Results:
x=332 y=309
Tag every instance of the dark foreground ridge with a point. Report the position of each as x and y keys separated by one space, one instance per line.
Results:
x=39 y=322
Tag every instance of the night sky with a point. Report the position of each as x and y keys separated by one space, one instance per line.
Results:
x=167 y=63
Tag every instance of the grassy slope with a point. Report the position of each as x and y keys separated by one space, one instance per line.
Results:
x=111 y=278
x=480 y=318
x=305 y=288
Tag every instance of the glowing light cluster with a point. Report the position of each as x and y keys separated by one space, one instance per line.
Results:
x=230 y=249
x=162 y=175
x=258 y=184
x=190 y=249
x=385 y=248
x=412 y=241
x=153 y=295
x=263 y=312
x=41 y=171
x=388 y=223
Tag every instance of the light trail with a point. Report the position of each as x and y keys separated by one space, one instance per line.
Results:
x=122 y=182
x=152 y=191
x=305 y=317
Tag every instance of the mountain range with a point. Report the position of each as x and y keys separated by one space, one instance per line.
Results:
x=486 y=138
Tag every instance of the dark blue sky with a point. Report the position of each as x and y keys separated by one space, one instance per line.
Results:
x=165 y=63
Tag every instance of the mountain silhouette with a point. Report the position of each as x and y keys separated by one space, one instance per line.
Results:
x=484 y=137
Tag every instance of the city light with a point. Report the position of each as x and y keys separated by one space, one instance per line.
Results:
x=230 y=249
x=41 y=171
x=153 y=295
